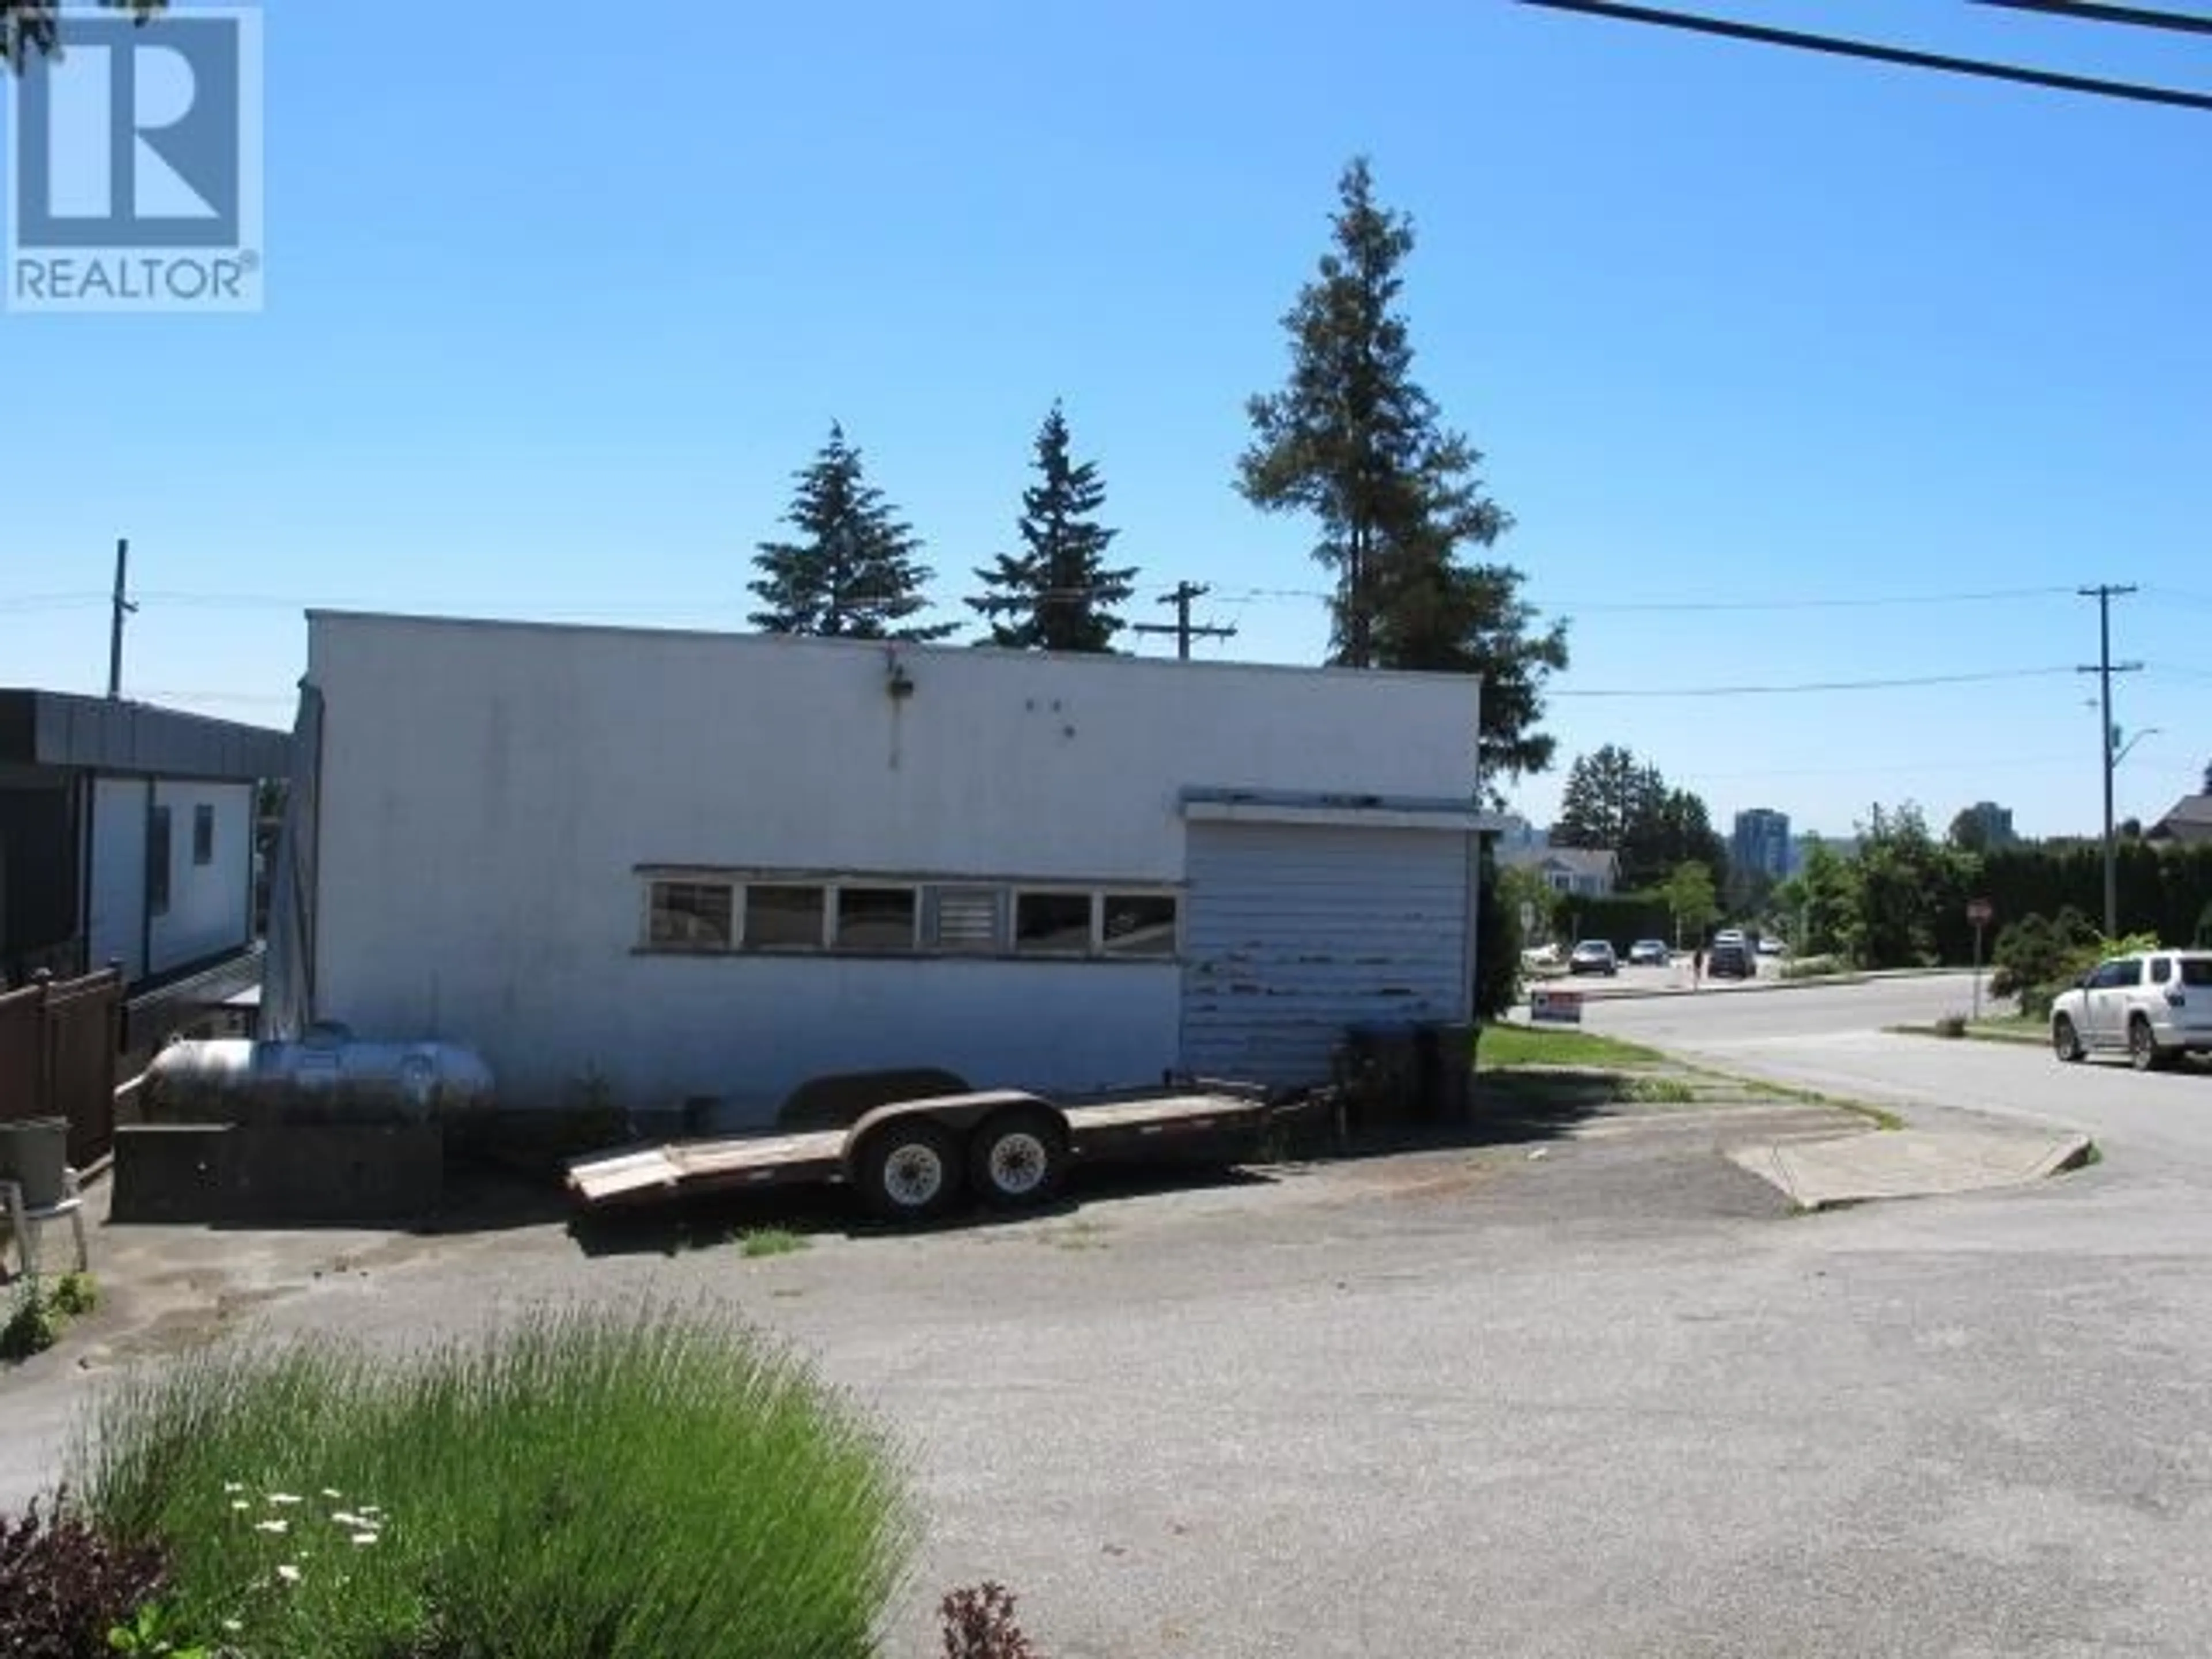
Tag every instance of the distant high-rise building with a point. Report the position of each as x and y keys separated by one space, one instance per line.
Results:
x=1992 y=824
x=1761 y=843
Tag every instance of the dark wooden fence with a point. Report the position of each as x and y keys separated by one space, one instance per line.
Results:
x=58 y=1048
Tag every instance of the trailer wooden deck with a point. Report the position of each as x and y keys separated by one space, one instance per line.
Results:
x=1127 y=1127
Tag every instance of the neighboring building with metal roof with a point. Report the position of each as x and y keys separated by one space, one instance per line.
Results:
x=127 y=834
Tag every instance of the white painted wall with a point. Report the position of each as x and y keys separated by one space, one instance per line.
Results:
x=210 y=905
x=489 y=790
x=118 y=930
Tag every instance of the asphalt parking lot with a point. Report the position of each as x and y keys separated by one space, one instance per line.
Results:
x=1593 y=1393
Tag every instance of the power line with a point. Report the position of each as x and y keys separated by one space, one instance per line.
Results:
x=1987 y=596
x=2091 y=11
x=1874 y=769
x=217 y=600
x=1836 y=46
x=1810 y=687
x=1597 y=607
x=27 y=602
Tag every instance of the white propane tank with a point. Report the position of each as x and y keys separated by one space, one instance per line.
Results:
x=327 y=1076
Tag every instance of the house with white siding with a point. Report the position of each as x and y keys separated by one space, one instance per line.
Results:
x=675 y=866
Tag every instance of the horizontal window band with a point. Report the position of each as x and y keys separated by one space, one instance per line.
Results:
x=980 y=958
x=765 y=877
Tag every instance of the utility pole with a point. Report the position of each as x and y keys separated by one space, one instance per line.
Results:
x=123 y=607
x=1182 y=628
x=2104 y=593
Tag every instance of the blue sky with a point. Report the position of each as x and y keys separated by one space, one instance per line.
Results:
x=554 y=311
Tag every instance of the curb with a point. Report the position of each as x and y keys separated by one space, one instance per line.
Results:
x=1756 y=987
x=1811 y=1191
x=2023 y=1041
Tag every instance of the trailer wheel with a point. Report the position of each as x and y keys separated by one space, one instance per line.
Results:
x=1018 y=1158
x=909 y=1170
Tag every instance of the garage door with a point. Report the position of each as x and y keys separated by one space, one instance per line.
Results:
x=1295 y=932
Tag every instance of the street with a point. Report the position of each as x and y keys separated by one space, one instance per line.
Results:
x=1833 y=1039
x=1598 y=1396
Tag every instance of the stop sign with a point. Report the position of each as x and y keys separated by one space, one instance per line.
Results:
x=1978 y=912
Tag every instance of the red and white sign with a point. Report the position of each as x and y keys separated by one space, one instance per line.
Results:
x=1548 y=1007
x=1978 y=912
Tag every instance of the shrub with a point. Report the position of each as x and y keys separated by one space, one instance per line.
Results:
x=32 y=1324
x=1814 y=967
x=1951 y=1025
x=37 y=1316
x=629 y=1484
x=64 y=1586
x=979 y=1624
x=2036 y=960
x=758 y=1241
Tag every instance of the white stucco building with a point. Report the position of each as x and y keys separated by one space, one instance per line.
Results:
x=693 y=865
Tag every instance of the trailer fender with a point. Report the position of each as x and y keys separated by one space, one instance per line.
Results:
x=959 y=1114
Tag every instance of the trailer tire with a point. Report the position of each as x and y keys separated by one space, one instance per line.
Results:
x=1018 y=1158
x=909 y=1170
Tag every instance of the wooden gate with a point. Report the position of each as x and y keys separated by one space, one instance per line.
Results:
x=57 y=1046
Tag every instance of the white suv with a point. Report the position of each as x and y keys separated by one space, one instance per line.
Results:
x=2152 y=1007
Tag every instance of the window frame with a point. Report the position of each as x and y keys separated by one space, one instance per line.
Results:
x=835 y=901
x=1105 y=946
x=932 y=924
x=927 y=895
x=159 y=877
x=679 y=947
x=824 y=932
x=203 y=834
x=1019 y=891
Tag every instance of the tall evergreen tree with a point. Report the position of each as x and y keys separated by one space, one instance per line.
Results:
x=1614 y=800
x=1353 y=439
x=1610 y=794
x=1057 y=594
x=857 y=574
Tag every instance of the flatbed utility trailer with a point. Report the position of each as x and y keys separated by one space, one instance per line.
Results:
x=913 y=1160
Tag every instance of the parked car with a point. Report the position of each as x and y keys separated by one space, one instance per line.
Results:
x=1650 y=953
x=1731 y=956
x=2154 y=1007
x=1594 y=956
x=1769 y=945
